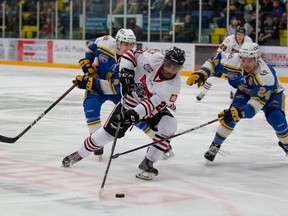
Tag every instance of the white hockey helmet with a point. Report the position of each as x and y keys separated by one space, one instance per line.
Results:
x=250 y=50
x=125 y=35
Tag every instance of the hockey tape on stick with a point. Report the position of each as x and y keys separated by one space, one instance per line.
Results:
x=14 y=139
x=167 y=138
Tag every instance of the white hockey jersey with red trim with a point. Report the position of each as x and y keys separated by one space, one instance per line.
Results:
x=151 y=93
x=230 y=45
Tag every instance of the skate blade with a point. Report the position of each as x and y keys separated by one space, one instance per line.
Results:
x=145 y=176
x=207 y=162
x=66 y=164
x=168 y=155
x=100 y=157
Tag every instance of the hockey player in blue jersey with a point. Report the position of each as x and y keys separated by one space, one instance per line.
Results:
x=258 y=88
x=102 y=63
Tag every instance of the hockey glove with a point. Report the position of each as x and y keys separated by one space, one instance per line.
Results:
x=81 y=81
x=232 y=114
x=198 y=77
x=87 y=67
x=129 y=116
x=127 y=81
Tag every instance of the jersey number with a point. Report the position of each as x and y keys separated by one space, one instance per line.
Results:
x=161 y=106
x=263 y=93
x=223 y=47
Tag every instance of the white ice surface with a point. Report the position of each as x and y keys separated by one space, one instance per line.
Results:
x=249 y=179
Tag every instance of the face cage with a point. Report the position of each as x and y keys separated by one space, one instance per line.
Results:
x=174 y=64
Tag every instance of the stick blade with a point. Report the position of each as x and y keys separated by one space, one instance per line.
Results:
x=101 y=192
x=8 y=139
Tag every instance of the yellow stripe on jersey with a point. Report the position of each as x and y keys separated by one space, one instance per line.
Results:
x=232 y=68
x=107 y=52
x=90 y=43
x=258 y=100
x=256 y=104
x=209 y=66
x=90 y=51
x=112 y=87
x=257 y=79
x=107 y=87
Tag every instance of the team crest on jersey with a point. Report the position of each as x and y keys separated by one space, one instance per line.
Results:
x=148 y=68
x=103 y=58
x=227 y=40
x=173 y=98
x=231 y=55
x=232 y=76
x=263 y=73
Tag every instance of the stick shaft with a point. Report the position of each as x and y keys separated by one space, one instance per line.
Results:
x=14 y=139
x=167 y=138
x=110 y=159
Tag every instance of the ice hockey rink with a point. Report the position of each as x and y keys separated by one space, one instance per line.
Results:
x=249 y=179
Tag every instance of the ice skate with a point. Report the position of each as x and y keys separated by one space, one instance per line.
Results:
x=211 y=153
x=168 y=153
x=283 y=147
x=99 y=153
x=200 y=96
x=71 y=159
x=147 y=170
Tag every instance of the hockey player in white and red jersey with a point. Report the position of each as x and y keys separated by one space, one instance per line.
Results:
x=230 y=44
x=150 y=82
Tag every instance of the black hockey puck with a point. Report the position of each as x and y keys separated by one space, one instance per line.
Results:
x=120 y=195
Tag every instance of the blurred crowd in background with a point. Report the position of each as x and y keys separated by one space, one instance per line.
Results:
x=272 y=19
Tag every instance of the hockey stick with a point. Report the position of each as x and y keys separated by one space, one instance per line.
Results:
x=167 y=138
x=14 y=139
x=110 y=159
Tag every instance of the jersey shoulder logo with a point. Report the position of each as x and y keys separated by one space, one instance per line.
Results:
x=148 y=68
x=173 y=98
x=263 y=73
x=230 y=55
x=227 y=40
x=232 y=76
x=103 y=58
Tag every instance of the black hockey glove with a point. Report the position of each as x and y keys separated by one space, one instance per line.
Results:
x=87 y=67
x=129 y=116
x=81 y=81
x=232 y=114
x=127 y=81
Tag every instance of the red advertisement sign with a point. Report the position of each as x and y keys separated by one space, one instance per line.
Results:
x=35 y=51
